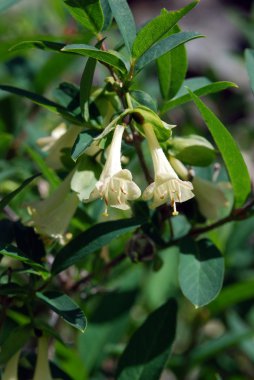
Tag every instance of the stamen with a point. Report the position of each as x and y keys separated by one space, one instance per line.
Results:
x=175 y=212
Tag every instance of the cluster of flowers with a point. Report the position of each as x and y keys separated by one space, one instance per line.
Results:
x=116 y=187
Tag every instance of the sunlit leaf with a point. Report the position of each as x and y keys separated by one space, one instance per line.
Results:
x=111 y=58
x=88 y=13
x=163 y=46
x=154 y=30
x=200 y=86
x=125 y=21
x=230 y=152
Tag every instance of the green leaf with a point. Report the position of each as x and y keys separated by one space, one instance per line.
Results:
x=86 y=84
x=47 y=172
x=108 y=16
x=164 y=46
x=157 y=28
x=6 y=200
x=90 y=241
x=15 y=340
x=144 y=99
x=172 y=68
x=17 y=254
x=230 y=152
x=83 y=141
x=200 y=86
x=5 y=4
x=44 y=102
x=192 y=150
x=124 y=20
x=201 y=271
x=64 y=306
x=249 y=58
x=148 y=350
x=111 y=58
x=87 y=12
x=43 y=45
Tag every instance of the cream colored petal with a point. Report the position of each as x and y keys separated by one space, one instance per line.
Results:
x=42 y=370
x=11 y=368
x=148 y=192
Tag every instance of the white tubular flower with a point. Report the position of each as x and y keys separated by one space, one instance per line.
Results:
x=166 y=186
x=51 y=216
x=210 y=198
x=42 y=370
x=115 y=184
x=11 y=368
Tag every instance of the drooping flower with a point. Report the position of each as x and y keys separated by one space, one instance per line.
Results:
x=51 y=216
x=167 y=186
x=115 y=184
x=11 y=368
x=42 y=370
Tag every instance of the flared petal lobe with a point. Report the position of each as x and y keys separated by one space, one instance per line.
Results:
x=115 y=184
x=167 y=186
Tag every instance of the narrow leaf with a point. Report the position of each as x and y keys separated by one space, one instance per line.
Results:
x=47 y=172
x=149 y=348
x=44 y=102
x=64 y=306
x=113 y=59
x=164 y=46
x=90 y=241
x=249 y=58
x=124 y=20
x=6 y=200
x=87 y=12
x=172 y=68
x=230 y=152
x=200 y=86
x=16 y=254
x=201 y=271
x=157 y=28
x=108 y=16
x=86 y=84
x=83 y=141
x=43 y=45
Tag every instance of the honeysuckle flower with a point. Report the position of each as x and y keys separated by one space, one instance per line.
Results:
x=115 y=184
x=167 y=186
x=51 y=216
x=11 y=368
x=42 y=370
x=210 y=196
